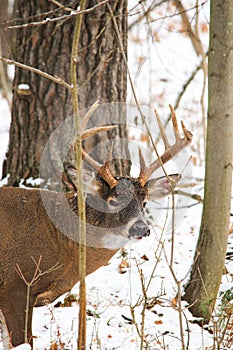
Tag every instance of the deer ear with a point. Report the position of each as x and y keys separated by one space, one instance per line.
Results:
x=89 y=179
x=161 y=187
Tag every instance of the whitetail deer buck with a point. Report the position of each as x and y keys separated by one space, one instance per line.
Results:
x=30 y=241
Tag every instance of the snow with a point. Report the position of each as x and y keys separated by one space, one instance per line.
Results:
x=23 y=347
x=23 y=87
x=159 y=68
x=4 y=129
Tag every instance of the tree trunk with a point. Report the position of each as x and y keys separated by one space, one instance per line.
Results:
x=43 y=105
x=206 y=274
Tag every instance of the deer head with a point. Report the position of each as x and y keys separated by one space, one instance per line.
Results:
x=116 y=203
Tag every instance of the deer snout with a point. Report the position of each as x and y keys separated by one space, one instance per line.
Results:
x=139 y=229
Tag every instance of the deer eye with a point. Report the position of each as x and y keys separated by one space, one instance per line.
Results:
x=144 y=204
x=113 y=202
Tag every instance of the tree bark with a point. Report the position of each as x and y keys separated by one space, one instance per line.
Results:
x=43 y=105
x=201 y=291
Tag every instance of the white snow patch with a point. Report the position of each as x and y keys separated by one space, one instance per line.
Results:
x=23 y=347
x=24 y=87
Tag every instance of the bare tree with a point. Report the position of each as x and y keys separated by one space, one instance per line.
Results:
x=43 y=40
x=201 y=291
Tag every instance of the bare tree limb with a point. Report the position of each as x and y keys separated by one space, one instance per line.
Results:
x=194 y=36
x=176 y=14
x=36 y=276
x=37 y=71
x=196 y=42
x=145 y=13
x=81 y=234
x=73 y=13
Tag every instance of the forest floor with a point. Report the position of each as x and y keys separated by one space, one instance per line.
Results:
x=117 y=311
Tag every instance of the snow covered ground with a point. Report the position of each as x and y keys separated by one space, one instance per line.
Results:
x=160 y=68
x=4 y=129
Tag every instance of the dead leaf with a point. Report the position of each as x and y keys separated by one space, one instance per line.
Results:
x=174 y=302
x=204 y=27
x=158 y=322
x=123 y=266
x=144 y=257
x=53 y=346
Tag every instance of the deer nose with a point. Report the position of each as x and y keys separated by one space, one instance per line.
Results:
x=139 y=229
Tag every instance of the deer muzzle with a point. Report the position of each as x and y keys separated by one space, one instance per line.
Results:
x=139 y=229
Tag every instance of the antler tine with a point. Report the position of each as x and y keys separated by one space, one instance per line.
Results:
x=162 y=132
x=142 y=174
x=96 y=130
x=175 y=124
x=102 y=170
x=110 y=153
x=170 y=151
x=90 y=161
x=88 y=133
x=89 y=113
x=187 y=133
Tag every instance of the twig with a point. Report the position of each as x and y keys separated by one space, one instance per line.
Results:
x=61 y=6
x=141 y=301
x=196 y=42
x=156 y=264
x=198 y=47
x=146 y=13
x=57 y=80
x=91 y=74
x=74 y=13
x=37 y=274
x=185 y=86
x=177 y=14
x=194 y=196
x=179 y=97
x=81 y=342
x=178 y=282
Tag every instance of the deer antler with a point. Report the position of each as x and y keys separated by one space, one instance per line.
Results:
x=145 y=172
x=170 y=151
x=102 y=170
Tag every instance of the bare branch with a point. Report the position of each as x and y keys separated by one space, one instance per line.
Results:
x=145 y=13
x=194 y=36
x=196 y=42
x=56 y=80
x=61 y=6
x=73 y=13
x=30 y=283
x=177 y=14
